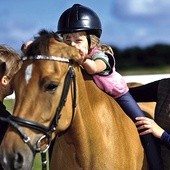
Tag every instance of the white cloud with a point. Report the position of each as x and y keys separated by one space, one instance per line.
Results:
x=125 y=22
x=141 y=8
x=138 y=23
x=141 y=33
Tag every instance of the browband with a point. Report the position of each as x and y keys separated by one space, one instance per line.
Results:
x=44 y=57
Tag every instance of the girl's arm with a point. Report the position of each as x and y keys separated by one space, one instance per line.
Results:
x=94 y=66
x=95 y=63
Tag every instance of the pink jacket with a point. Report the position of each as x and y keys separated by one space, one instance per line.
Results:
x=113 y=84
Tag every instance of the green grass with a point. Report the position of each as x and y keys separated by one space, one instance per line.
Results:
x=37 y=163
x=9 y=103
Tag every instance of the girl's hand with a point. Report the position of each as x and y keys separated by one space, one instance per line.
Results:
x=84 y=55
x=148 y=126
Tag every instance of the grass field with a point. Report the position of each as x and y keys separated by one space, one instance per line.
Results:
x=9 y=103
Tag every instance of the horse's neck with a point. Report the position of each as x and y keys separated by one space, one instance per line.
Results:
x=94 y=136
x=87 y=118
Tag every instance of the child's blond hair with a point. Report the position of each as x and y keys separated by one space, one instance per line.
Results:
x=95 y=42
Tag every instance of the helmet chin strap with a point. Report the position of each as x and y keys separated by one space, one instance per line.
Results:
x=89 y=41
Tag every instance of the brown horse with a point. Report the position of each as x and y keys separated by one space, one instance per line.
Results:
x=56 y=98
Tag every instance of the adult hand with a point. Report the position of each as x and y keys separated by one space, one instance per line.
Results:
x=147 y=126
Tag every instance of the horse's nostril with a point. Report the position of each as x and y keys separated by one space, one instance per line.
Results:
x=18 y=161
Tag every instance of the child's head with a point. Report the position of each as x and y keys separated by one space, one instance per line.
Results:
x=78 y=40
x=10 y=63
x=81 y=19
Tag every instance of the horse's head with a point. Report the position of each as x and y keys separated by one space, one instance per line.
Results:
x=42 y=86
x=51 y=44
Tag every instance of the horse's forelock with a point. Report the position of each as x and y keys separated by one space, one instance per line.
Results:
x=40 y=45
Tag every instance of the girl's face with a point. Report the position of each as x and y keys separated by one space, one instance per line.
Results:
x=78 y=40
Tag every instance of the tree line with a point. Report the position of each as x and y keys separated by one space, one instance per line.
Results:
x=157 y=55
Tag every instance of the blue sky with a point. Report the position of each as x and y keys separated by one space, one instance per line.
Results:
x=125 y=23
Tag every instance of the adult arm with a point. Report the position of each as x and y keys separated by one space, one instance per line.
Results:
x=165 y=138
x=145 y=93
x=3 y=125
x=146 y=125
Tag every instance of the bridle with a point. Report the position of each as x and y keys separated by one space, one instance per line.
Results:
x=17 y=123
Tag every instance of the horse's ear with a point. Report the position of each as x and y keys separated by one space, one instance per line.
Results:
x=58 y=37
x=33 y=49
x=25 y=46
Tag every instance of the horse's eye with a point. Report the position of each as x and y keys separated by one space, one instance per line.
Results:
x=51 y=87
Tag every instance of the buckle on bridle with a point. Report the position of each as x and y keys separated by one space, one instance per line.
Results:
x=43 y=144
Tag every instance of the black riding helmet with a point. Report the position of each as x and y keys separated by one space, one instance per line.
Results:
x=79 y=18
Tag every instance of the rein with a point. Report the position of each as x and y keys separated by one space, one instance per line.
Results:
x=18 y=123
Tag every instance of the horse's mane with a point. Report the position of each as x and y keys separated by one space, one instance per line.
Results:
x=40 y=45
